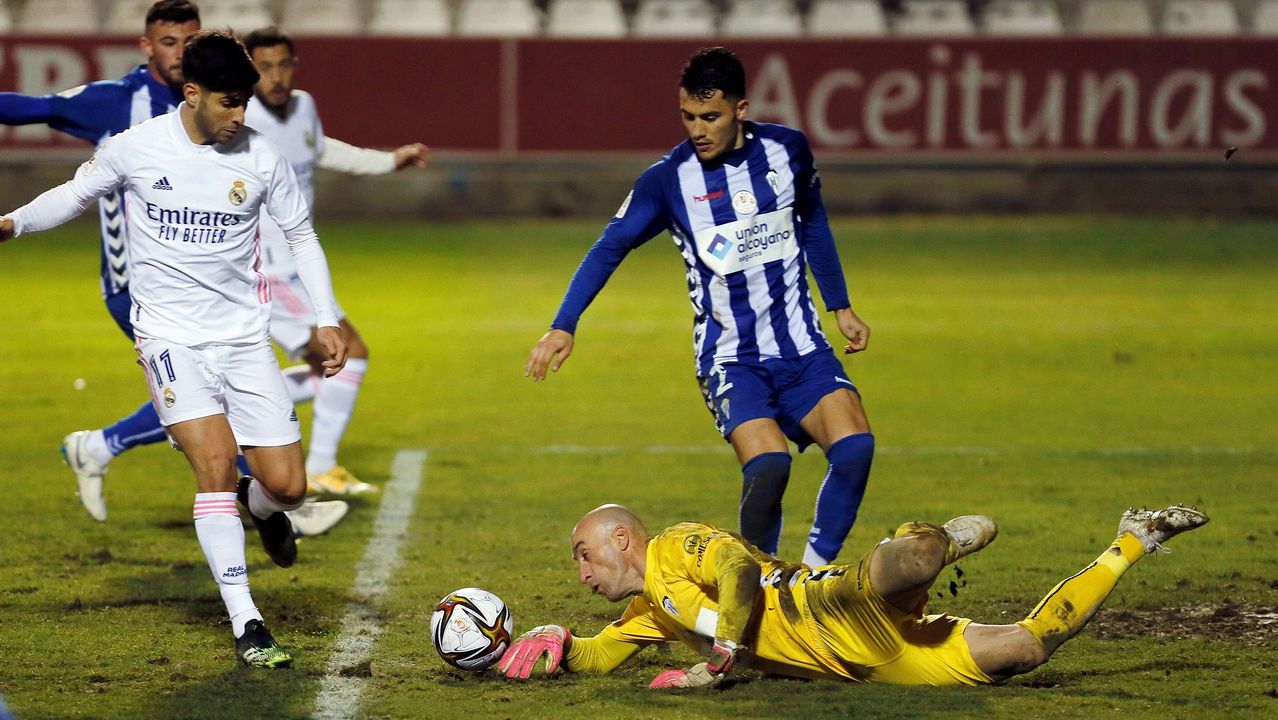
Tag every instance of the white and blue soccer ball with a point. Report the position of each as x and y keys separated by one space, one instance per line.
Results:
x=471 y=628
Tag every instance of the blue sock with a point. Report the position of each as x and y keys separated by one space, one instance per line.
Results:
x=241 y=462
x=141 y=428
x=841 y=492
x=763 y=481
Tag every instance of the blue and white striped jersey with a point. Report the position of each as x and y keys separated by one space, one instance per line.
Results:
x=95 y=112
x=747 y=225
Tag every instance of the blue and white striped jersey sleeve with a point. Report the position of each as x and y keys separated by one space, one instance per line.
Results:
x=818 y=240
x=641 y=217
x=89 y=112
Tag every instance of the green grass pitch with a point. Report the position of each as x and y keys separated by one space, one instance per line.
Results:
x=1047 y=371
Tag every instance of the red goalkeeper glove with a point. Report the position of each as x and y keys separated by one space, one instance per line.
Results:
x=520 y=658
x=705 y=674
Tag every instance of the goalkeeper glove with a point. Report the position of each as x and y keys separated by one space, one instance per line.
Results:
x=520 y=658
x=705 y=674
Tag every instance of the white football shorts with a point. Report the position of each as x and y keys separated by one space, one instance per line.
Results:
x=242 y=382
x=292 y=315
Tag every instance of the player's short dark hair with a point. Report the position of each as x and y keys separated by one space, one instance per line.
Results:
x=268 y=37
x=218 y=61
x=172 y=11
x=713 y=68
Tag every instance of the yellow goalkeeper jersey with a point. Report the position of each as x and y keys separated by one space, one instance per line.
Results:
x=683 y=599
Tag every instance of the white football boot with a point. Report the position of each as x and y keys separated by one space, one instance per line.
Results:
x=88 y=472
x=970 y=533
x=317 y=517
x=1155 y=527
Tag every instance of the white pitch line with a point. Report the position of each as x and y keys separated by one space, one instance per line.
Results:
x=341 y=689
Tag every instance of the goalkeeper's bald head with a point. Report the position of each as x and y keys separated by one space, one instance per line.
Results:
x=611 y=516
x=609 y=544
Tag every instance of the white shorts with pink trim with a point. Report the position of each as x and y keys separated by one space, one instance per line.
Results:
x=242 y=382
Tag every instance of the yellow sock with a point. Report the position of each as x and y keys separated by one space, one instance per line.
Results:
x=1068 y=607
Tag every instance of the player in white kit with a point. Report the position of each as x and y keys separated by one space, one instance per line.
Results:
x=289 y=118
x=196 y=181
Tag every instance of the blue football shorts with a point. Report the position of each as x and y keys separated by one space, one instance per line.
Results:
x=783 y=390
x=119 y=306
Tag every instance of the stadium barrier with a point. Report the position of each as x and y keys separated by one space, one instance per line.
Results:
x=563 y=126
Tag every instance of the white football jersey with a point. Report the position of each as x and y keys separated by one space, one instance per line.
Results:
x=300 y=137
x=193 y=242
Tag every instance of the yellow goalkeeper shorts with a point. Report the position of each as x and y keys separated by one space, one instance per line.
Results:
x=887 y=645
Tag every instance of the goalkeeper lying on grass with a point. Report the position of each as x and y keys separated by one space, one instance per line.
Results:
x=864 y=622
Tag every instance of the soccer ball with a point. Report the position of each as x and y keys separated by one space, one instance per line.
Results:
x=471 y=628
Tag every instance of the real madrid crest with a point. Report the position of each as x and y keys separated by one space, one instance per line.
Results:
x=238 y=193
x=170 y=397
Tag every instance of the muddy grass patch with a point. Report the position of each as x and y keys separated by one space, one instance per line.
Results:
x=1250 y=624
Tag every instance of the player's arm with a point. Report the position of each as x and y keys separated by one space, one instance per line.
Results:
x=640 y=218
x=87 y=112
x=285 y=204
x=95 y=178
x=728 y=567
x=347 y=158
x=822 y=255
x=603 y=653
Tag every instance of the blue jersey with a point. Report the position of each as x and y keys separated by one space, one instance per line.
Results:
x=95 y=112
x=748 y=225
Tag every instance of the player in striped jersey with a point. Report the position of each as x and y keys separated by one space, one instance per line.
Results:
x=742 y=201
x=196 y=182
x=94 y=113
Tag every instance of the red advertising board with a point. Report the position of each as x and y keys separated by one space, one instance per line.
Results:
x=889 y=97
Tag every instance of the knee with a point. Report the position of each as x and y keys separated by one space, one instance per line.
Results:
x=920 y=558
x=288 y=488
x=214 y=470
x=1025 y=655
x=293 y=492
x=766 y=474
x=1004 y=651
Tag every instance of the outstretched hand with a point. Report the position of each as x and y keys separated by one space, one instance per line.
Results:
x=331 y=338
x=550 y=352
x=521 y=657
x=854 y=329
x=413 y=154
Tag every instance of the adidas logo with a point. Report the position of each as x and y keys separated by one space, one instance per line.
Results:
x=162 y=184
x=292 y=416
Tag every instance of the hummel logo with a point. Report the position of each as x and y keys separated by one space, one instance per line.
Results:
x=162 y=184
